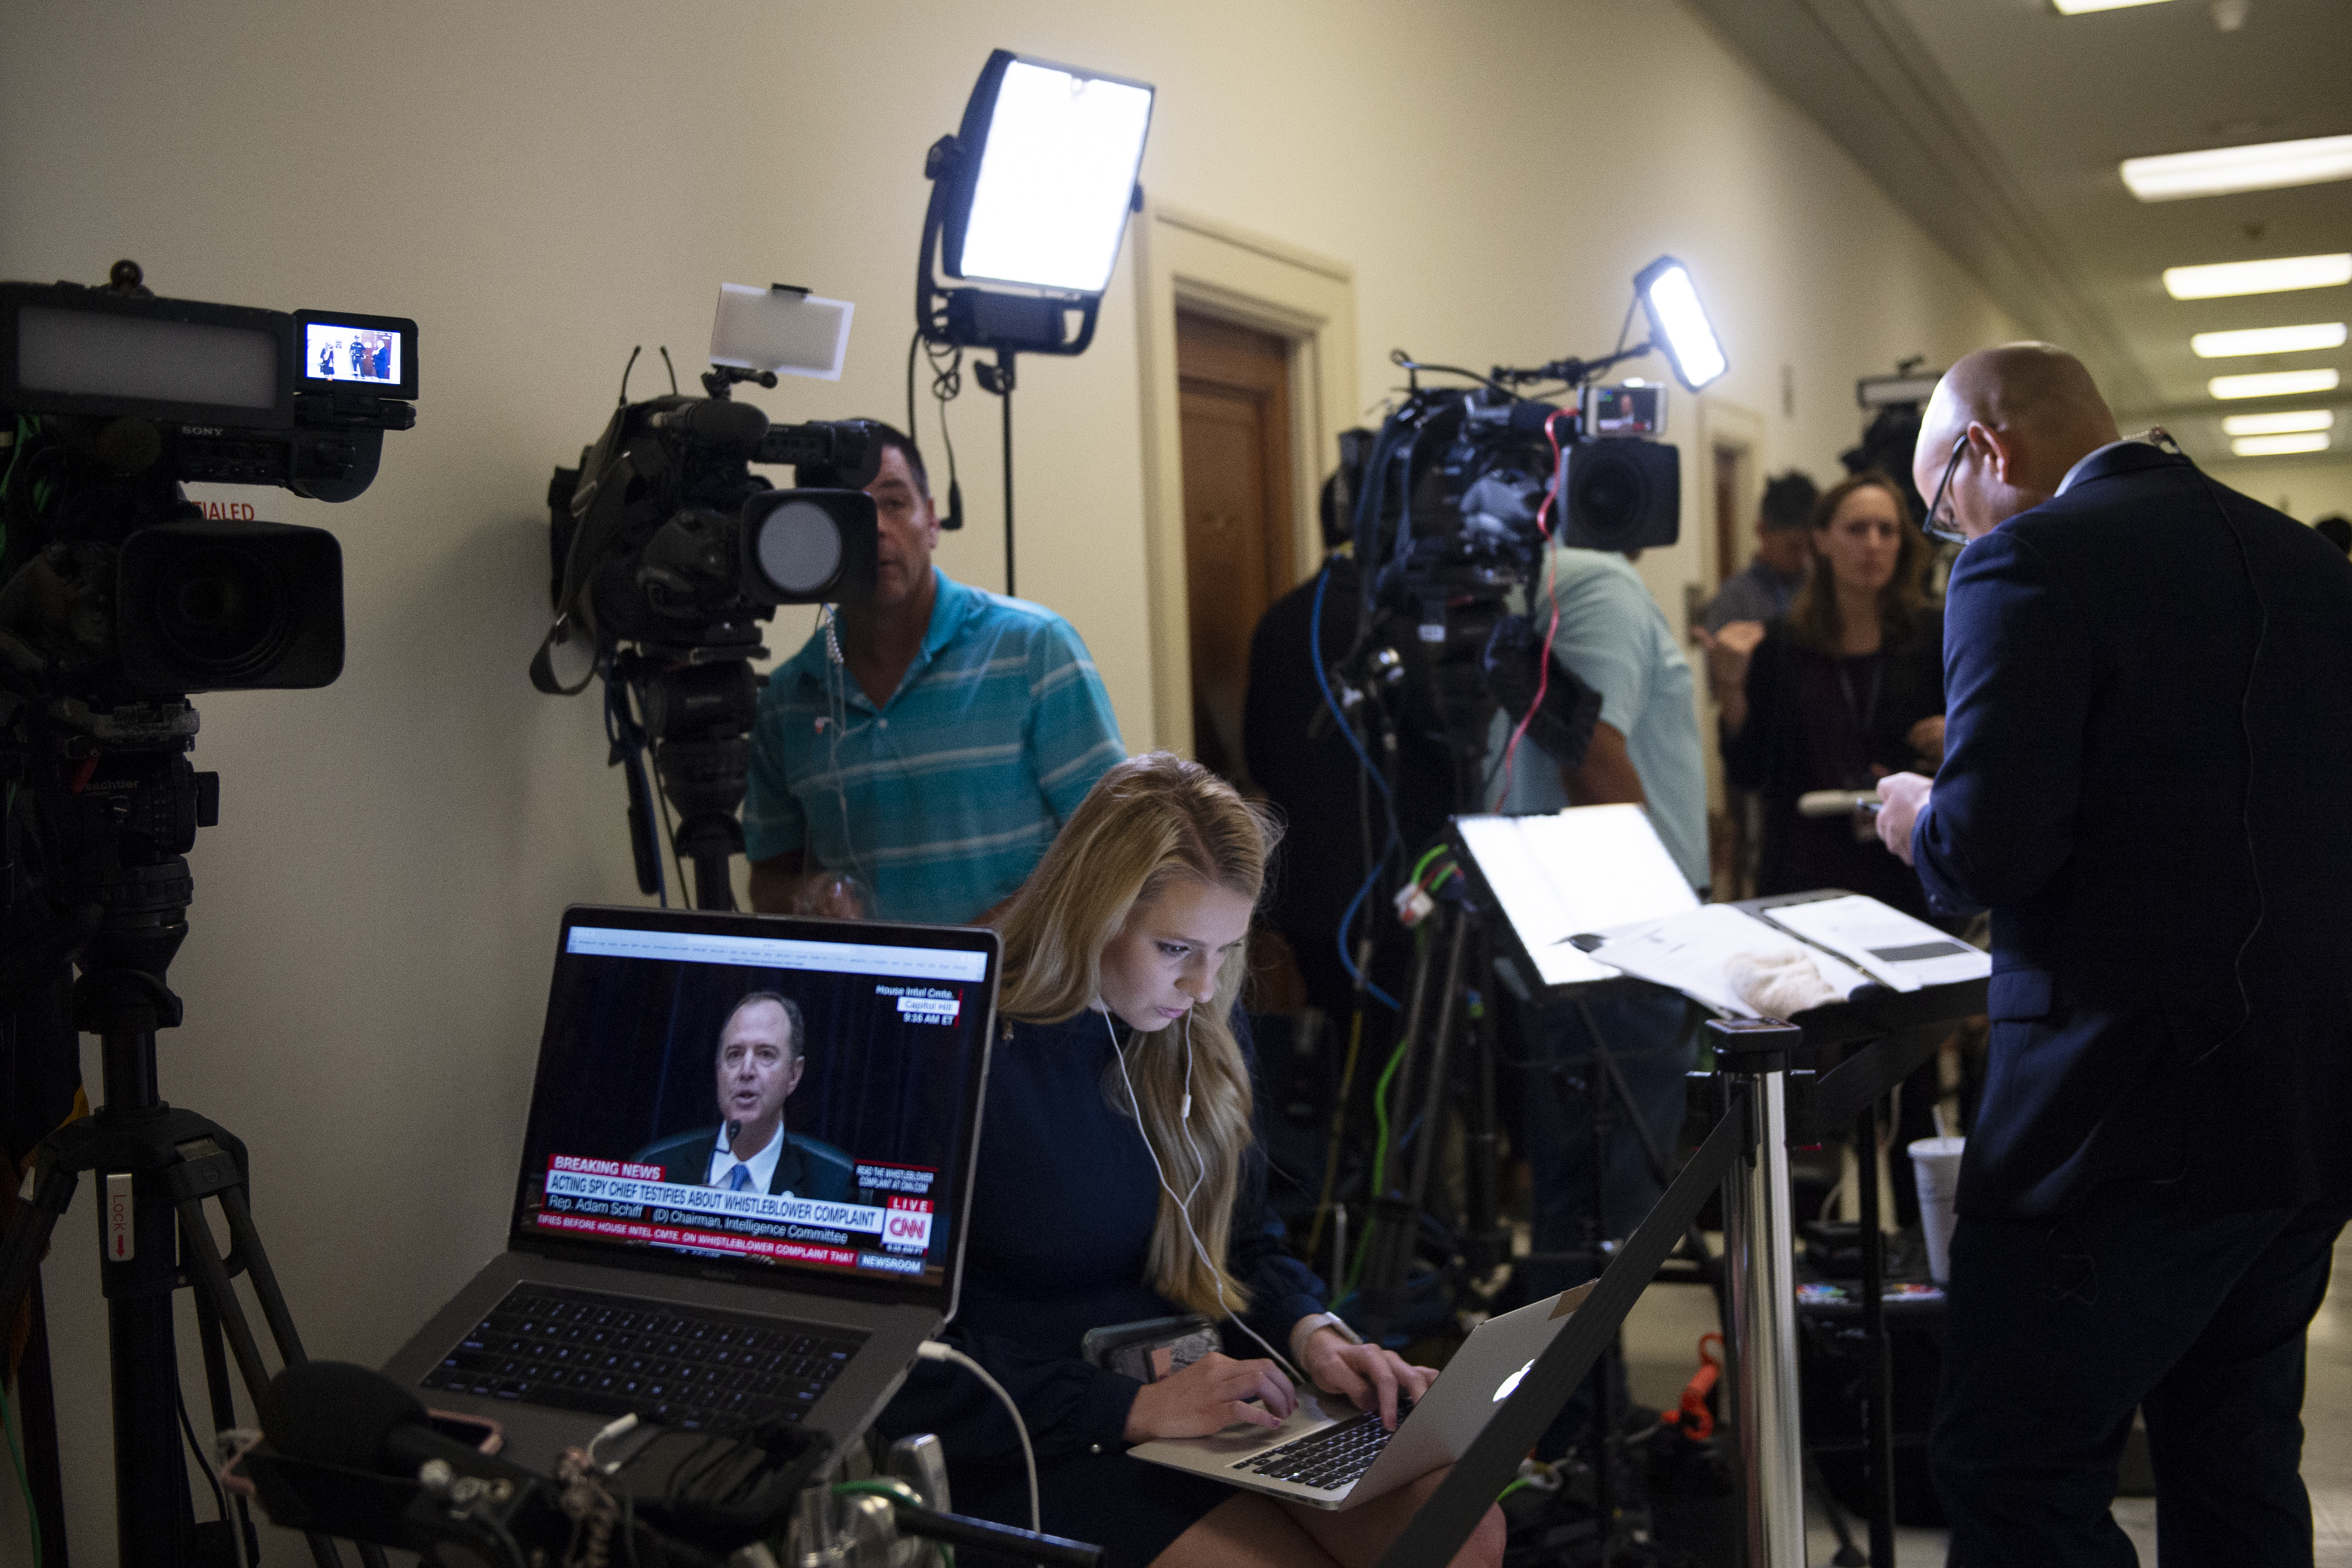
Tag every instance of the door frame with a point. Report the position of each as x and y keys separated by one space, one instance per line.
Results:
x=1185 y=260
x=1724 y=425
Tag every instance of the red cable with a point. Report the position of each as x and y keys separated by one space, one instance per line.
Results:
x=1543 y=680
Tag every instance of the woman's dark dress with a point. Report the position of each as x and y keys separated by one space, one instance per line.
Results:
x=1819 y=722
x=1064 y=1201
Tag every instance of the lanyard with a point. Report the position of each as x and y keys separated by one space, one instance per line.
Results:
x=1869 y=710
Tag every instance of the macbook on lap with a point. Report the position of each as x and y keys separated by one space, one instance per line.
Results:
x=745 y=1180
x=1330 y=1455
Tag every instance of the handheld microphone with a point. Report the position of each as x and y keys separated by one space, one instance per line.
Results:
x=333 y=1412
x=1837 y=801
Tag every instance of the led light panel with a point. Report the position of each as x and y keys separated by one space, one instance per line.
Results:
x=2277 y=446
x=2217 y=171
x=2296 y=422
x=2078 y=7
x=2275 y=276
x=2273 y=384
x=1057 y=173
x=2269 y=341
x=1679 y=321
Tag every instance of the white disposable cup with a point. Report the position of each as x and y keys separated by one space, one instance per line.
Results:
x=1936 y=1164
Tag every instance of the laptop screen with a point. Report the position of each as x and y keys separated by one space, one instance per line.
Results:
x=794 y=1095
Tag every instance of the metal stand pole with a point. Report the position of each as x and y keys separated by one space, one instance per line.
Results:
x=1000 y=378
x=1878 y=1377
x=1759 y=1247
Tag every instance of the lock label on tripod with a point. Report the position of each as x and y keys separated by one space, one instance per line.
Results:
x=121 y=1242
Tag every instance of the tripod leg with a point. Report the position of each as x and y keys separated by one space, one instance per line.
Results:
x=36 y=1411
x=211 y=1282
x=222 y=1397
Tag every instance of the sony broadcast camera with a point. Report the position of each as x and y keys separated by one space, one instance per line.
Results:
x=115 y=591
x=119 y=597
x=1453 y=503
x=666 y=553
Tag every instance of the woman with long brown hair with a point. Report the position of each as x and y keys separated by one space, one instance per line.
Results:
x=1844 y=690
x=1117 y=1181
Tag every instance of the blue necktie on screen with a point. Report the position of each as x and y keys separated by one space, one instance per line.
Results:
x=739 y=1180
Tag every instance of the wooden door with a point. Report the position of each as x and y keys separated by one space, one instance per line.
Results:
x=1233 y=391
x=1727 y=519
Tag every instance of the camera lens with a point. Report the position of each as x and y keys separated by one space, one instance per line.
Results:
x=799 y=547
x=223 y=610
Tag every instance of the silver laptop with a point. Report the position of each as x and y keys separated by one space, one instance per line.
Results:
x=745 y=1180
x=1333 y=1456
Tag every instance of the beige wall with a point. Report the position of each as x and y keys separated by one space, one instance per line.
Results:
x=2305 y=491
x=542 y=186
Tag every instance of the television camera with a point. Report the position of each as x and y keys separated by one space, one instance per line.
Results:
x=1453 y=505
x=119 y=598
x=667 y=552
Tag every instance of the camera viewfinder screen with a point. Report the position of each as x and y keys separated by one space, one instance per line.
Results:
x=761 y=1101
x=1627 y=411
x=336 y=351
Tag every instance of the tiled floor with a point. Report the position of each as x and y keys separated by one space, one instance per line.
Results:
x=1663 y=1333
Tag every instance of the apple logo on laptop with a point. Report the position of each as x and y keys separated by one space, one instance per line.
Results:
x=1512 y=1382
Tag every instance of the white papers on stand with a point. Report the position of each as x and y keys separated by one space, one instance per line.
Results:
x=1896 y=950
x=1693 y=952
x=1584 y=870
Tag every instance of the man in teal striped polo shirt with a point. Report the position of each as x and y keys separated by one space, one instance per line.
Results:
x=930 y=742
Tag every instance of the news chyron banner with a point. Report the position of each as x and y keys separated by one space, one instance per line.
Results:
x=615 y=1200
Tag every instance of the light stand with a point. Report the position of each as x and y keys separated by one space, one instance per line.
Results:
x=1033 y=191
x=998 y=378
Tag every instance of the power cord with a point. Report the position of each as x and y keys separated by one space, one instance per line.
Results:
x=935 y=1350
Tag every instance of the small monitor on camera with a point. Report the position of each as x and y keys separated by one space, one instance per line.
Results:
x=337 y=351
x=1630 y=408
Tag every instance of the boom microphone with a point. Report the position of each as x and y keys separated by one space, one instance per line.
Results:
x=713 y=419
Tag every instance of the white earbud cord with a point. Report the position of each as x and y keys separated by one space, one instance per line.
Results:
x=1183 y=1207
x=837 y=712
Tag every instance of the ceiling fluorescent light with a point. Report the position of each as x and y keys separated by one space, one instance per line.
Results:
x=2269 y=341
x=2273 y=384
x=2223 y=278
x=2279 y=424
x=2217 y=171
x=2077 y=8
x=2277 y=446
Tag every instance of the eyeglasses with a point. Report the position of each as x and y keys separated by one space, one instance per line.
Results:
x=1937 y=524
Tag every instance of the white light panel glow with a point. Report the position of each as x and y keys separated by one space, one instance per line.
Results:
x=1056 y=175
x=2294 y=424
x=2269 y=341
x=2078 y=7
x=1674 y=307
x=2217 y=171
x=2277 y=446
x=2222 y=279
x=2273 y=384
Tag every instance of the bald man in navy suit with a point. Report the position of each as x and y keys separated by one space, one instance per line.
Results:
x=760 y=1064
x=2148 y=741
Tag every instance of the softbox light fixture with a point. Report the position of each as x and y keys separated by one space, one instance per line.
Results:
x=1032 y=191
x=1678 y=323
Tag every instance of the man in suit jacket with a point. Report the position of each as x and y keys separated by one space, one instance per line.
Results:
x=2150 y=729
x=760 y=1064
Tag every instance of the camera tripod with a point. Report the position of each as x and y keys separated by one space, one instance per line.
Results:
x=119 y=822
x=1592 y=1085
x=694 y=709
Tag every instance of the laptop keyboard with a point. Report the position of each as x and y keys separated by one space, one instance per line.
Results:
x=608 y=1355
x=1331 y=1460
